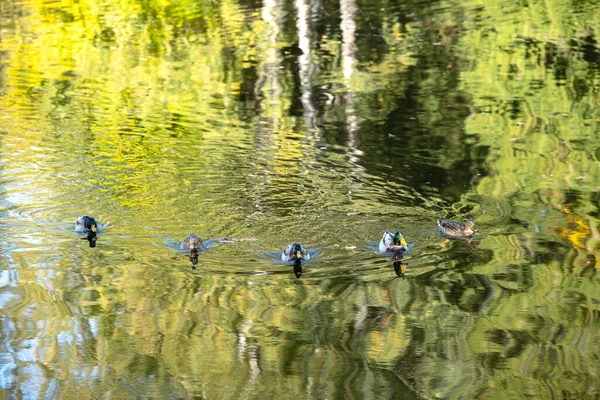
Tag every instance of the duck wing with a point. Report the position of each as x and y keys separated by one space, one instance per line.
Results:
x=386 y=241
x=287 y=253
x=192 y=240
x=450 y=227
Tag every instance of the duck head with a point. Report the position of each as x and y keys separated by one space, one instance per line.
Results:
x=471 y=225
x=298 y=251
x=399 y=239
x=90 y=224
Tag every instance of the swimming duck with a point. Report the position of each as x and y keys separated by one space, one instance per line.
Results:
x=90 y=226
x=192 y=242
x=457 y=229
x=392 y=243
x=294 y=252
x=87 y=224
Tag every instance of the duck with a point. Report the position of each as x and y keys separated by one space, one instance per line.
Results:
x=392 y=243
x=192 y=242
x=457 y=229
x=295 y=252
x=89 y=226
x=86 y=224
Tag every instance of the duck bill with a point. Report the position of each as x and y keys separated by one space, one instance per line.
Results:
x=299 y=255
x=94 y=229
x=403 y=242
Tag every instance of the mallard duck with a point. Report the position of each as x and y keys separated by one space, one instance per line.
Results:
x=392 y=243
x=457 y=229
x=87 y=224
x=192 y=242
x=294 y=252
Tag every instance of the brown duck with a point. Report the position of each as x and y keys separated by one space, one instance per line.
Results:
x=457 y=229
x=192 y=242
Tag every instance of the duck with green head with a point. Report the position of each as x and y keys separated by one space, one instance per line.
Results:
x=90 y=227
x=295 y=252
x=392 y=243
x=87 y=224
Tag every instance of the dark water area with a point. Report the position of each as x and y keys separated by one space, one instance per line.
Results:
x=317 y=122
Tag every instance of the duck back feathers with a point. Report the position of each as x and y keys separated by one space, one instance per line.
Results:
x=457 y=229
x=192 y=242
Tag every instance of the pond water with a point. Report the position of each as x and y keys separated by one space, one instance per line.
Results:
x=312 y=121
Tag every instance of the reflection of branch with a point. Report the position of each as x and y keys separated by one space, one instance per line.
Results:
x=360 y=317
x=348 y=14
x=304 y=63
x=243 y=347
x=269 y=70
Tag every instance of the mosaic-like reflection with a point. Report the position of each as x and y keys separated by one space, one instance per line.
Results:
x=299 y=121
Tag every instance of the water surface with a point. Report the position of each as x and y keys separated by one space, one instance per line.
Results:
x=318 y=122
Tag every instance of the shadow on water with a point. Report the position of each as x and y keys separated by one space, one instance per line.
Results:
x=298 y=268
x=194 y=257
x=91 y=238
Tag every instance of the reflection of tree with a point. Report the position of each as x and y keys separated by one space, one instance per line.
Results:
x=246 y=348
x=348 y=26
x=117 y=89
x=269 y=82
x=304 y=60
